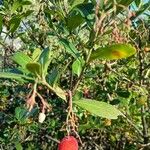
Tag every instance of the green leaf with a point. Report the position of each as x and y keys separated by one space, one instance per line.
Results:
x=123 y=93
x=76 y=2
x=53 y=76
x=27 y=13
x=77 y=66
x=15 y=6
x=70 y=48
x=18 y=4
x=78 y=95
x=124 y=3
x=45 y=59
x=14 y=23
x=140 y=11
x=86 y=10
x=36 y=54
x=21 y=114
x=116 y=51
x=59 y=92
x=100 y=109
x=21 y=59
x=26 y=2
x=137 y=2
x=34 y=68
x=18 y=146
x=1 y=23
x=19 y=77
x=73 y=21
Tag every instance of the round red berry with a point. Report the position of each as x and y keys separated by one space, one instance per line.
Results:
x=68 y=143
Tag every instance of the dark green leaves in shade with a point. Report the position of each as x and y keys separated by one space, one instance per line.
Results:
x=1 y=23
x=70 y=48
x=73 y=21
x=76 y=2
x=21 y=114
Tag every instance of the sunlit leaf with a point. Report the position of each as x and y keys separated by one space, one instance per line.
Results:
x=21 y=59
x=34 y=68
x=116 y=51
x=19 y=77
x=45 y=59
x=36 y=54
x=77 y=66
x=59 y=92
x=98 y=108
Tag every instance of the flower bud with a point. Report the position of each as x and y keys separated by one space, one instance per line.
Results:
x=42 y=117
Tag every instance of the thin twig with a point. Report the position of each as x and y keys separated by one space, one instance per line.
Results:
x=135 y=127
x=51 y=138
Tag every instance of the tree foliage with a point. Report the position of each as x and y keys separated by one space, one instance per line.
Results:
x=78 y=67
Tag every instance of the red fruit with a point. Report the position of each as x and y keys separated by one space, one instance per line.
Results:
x=68 y=143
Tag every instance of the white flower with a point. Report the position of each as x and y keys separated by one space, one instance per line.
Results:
x=42 y=117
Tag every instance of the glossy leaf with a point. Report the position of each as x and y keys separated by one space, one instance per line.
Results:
x=76 y=2
x=112 y=52
x=70 y=48
x=53 y=76
x=36 y=54
x=34 y=68
x=19 y=77
x=14 y=23
x=98 y=108
x=21 y=59
x=74 y=21
x=77 y=66
x=18 y=4
x=86 y=10
x=45 y=59
x=59 y=92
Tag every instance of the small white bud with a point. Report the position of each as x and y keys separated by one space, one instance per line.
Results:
x=42 y=117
